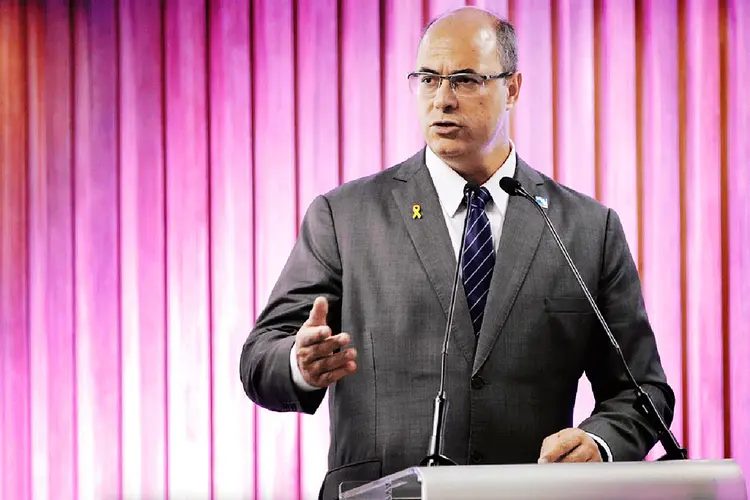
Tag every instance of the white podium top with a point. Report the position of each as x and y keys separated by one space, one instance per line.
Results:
x=674 y=480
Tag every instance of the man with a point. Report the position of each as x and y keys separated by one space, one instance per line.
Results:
x=361 y=305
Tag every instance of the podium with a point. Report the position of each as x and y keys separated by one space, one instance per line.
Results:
x=673 y=480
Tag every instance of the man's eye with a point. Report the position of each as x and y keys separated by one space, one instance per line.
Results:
x=465 y=79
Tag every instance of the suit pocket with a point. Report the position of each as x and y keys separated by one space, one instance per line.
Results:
x=361 y=472
x=577 y=305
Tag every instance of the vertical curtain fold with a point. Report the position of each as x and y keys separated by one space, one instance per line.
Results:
x=157 y=158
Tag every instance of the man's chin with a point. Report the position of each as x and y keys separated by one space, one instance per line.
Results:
x=448 y=148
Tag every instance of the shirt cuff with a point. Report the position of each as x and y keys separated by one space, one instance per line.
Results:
x=297 y=377
x=604 y=450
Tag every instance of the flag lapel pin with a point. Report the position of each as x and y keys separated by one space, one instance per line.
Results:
x=542 y=201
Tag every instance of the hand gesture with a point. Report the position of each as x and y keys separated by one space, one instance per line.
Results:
x=316 y=347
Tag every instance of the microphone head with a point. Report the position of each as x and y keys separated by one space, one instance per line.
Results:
x=471 y=187
x=510 y=186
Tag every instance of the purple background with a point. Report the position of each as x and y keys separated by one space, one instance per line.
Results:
x=156 y=159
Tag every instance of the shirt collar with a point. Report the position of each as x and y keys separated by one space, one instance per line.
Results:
x=450 y=185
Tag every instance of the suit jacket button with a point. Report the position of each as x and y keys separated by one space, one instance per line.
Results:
x=476 y=457
x=477 y=382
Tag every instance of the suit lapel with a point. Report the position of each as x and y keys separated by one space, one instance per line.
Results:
x=522 y=230
x=431 y=239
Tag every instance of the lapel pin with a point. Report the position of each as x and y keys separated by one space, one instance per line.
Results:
x=541 y=201
x=416 y=212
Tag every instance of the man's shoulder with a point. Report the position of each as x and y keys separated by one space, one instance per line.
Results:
x=566 y=197
x=377 y=185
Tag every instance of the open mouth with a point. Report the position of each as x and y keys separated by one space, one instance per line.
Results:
x=445 y=128
x=445 y=124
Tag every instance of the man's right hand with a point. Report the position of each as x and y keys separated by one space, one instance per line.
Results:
x=315 y=347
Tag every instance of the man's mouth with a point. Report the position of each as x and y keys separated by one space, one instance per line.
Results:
x=444 y=123
x=445 y=127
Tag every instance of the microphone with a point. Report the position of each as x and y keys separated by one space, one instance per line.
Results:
x=643 y=402
x=435 y=455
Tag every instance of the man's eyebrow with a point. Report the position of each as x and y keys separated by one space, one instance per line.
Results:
x=424 y=69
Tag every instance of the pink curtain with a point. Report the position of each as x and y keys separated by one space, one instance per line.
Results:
x=156 y=159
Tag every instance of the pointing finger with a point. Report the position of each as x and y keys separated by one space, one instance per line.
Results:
x=318 y=313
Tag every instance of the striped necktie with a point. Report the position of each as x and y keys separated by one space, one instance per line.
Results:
x=479 y=257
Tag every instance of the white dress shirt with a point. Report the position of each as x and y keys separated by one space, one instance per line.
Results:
x=450 y=190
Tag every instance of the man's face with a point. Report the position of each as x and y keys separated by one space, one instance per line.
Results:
x=462 y=123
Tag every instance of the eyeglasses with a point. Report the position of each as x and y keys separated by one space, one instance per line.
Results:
x=463 y=84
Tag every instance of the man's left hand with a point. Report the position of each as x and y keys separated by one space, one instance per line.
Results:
x=569 y=445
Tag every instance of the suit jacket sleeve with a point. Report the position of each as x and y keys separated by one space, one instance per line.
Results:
x=313 y=269
x=620 y=299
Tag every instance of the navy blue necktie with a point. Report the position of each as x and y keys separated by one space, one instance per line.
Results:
x=479 y=257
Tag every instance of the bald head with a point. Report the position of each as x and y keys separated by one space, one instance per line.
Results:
x=487 y=28
x=466 y=83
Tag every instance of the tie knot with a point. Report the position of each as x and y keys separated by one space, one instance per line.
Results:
x=481 y=199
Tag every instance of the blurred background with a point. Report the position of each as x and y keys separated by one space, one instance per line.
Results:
x=156 y=159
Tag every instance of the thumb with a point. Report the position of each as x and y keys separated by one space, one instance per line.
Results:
x=318 y=312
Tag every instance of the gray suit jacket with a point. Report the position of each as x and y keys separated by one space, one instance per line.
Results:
x=388 y=280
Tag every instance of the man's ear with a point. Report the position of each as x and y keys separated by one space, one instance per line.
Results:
x=514 y=89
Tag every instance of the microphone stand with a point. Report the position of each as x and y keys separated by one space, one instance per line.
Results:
x=435 y=455
x=643 y=402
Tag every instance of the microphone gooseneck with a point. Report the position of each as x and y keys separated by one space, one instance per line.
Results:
x=643 y=402
x=435 y=450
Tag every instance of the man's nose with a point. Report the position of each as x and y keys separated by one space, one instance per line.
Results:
x=445 y=97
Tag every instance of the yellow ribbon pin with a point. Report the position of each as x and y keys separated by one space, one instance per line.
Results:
x=416 y=212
